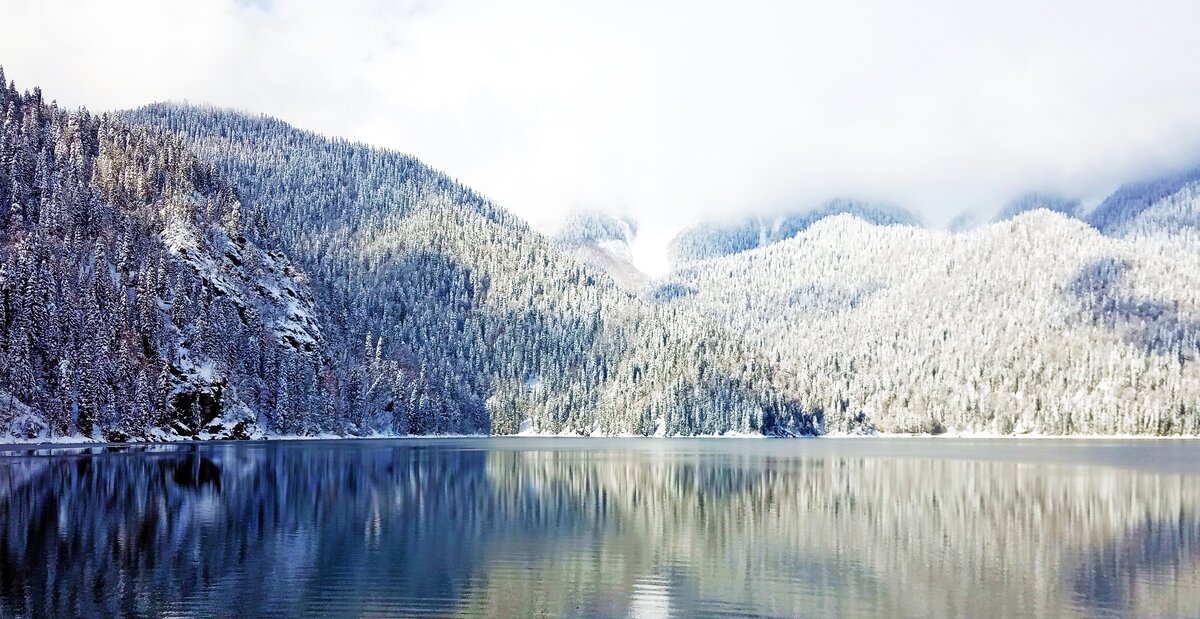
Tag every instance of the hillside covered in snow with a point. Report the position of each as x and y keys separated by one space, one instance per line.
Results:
x=136 y=300
x=1037 y=324
x=605 y=243
x=443 y=313
x=712 y=239
x=1165 y=204
x=194 y=273
x=181 y=272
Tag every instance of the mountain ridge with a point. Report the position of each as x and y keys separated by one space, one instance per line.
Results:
x=177 y=273
x=928 y=331
x=712 y=239
x=387 y=212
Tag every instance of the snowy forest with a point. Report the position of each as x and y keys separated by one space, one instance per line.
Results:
x=186 y=272
x=1038 y=323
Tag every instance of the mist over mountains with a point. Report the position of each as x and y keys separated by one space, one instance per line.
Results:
x=188 y=272
x=711 y=240
x=604 y=242
x=1163 y=203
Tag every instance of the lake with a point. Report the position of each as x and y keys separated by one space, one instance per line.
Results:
x=513 y=527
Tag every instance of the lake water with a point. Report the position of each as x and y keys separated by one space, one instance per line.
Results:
x=514 y=527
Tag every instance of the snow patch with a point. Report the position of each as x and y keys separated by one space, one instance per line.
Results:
x=261 y=281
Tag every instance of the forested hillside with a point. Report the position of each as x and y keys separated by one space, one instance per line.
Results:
x=188 y=272
x=604 y=242
x=241 y=278
x=1035 y=324
x=444 y=313
x=1166 y=204
x=134 y=300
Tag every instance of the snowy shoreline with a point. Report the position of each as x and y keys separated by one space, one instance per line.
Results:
x=79 y=441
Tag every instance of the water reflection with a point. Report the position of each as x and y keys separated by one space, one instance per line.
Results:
x=515 y=528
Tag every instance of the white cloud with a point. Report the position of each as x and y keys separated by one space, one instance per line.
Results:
x=669 y=111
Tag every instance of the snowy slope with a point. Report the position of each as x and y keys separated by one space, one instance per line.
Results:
x=1037 y=200
x=136 y=303
x=603 y=242
x=443 y=313
x=1036 y=324
x=1174 y=213
x=713 y=239
x=1163 y=204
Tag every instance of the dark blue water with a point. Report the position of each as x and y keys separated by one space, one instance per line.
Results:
x=514 y=527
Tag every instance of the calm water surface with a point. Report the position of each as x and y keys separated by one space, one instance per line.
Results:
x=514 y=527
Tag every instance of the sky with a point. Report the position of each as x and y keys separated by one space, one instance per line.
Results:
x=670 y=112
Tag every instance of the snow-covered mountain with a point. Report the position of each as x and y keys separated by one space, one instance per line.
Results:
x=605 y=243
x=444 y=313
x=1037 y=200
x=713 y=239
x=137 y=300
x=1035 y=324
x=191 y=272
x=1169 y=203
x=1031 y=201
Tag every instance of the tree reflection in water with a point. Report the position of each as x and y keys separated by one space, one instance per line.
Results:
x=513 y=528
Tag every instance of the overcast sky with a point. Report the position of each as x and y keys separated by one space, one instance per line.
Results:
x=669 y=111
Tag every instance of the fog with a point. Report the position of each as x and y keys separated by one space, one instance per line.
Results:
x=670 y=112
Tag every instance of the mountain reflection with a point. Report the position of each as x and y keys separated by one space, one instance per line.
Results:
x=479 y=527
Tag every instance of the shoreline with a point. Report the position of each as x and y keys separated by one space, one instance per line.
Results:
x=82 y=442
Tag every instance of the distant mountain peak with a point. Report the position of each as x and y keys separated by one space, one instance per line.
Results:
x=1164 y=203
x=583 y=227
x=604 y=242
x=1038 y=200
x=713 y=239
x=965 y=222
